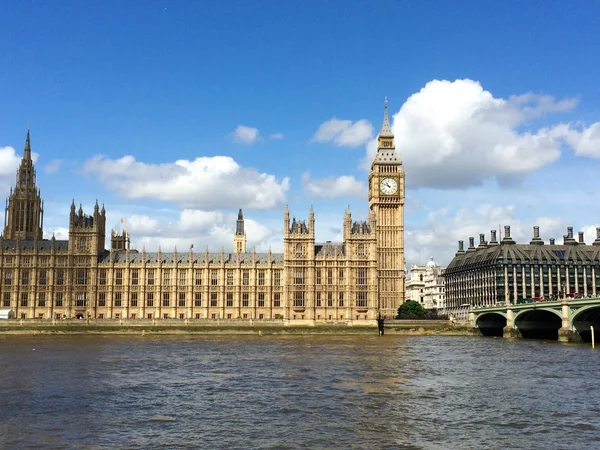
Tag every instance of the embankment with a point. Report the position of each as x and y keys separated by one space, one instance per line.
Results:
x=164 y=327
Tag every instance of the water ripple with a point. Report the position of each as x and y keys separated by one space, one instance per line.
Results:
x=295 y=392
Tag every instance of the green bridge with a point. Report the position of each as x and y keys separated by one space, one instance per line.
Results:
x=565 y=320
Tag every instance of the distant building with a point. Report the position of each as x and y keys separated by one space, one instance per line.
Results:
x=495 y=272
x=426 y=285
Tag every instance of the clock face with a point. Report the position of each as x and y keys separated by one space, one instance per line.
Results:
x=388 y=186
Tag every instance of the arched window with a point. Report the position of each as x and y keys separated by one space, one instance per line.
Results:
x=421 y=277
x=361 y=250
x=298 y=249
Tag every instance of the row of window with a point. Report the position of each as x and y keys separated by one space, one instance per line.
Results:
x=41 y=260
x=81 y=277
x=165 y=300
x=60 y=278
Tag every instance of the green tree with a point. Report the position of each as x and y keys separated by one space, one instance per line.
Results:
x=411 y=310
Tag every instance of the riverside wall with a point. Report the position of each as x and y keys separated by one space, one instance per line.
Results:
x=249 y=327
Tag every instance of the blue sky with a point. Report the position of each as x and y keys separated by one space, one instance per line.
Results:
x=496 y=104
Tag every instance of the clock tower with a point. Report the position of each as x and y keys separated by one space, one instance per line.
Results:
x=386 y=202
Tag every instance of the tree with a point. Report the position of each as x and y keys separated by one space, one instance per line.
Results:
x=411 y=310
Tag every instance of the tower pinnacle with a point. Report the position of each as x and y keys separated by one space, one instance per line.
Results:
x=239 y=238
x=27 y=152
x=386 y=129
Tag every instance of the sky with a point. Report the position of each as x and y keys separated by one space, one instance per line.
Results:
x=176 y=114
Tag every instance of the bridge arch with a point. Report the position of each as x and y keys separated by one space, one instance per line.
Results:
x=491 y=323
x=538 y=323
x=583 y=318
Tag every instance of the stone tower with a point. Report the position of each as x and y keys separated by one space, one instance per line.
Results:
x=24 y=213
x=239 y=238
x=87 y=233
x=386 y=202
x=299 y=264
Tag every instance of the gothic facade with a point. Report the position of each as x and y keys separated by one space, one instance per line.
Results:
x=356 y=280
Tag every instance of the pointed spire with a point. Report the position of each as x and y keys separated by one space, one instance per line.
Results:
x=239 y=226
x=386 y=129
x=27 y=152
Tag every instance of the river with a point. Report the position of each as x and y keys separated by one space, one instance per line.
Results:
x=289 y=392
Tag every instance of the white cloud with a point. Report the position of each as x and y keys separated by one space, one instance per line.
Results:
x=210 y=183
x=203 y=229
x=245 y=135
x=277 y=136
x=344 y=133
x=334 y=187
x=439 y=233
x=456 y=134
x=9 y=162
x=53 y=166
x=60 y=233
x=585 y=141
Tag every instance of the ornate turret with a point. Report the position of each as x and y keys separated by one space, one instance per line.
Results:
x=239 y=238
x=24 y=213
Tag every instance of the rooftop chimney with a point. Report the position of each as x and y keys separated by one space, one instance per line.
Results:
x=536 y=237
x=568 y=238
x=482 y=242
x=507 y=239
x=580 y=235
x=493 y=239
x=597 y=241
x=552 y=241
x=471 y=244
x=461 y=248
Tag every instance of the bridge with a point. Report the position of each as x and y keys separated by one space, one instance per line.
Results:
x=565 y=320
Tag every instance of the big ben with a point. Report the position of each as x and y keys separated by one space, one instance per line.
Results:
x=386 y=202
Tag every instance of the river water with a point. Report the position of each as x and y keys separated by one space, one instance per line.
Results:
x=289 y=392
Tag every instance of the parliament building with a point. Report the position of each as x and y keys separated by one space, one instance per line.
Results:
x=360 y=279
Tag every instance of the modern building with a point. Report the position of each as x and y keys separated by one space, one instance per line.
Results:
x=495 y=272
x=426 y=285
x=357 y=279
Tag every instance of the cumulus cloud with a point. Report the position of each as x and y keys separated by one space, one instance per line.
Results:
x=344 y=133
x=9 y=162
x=53 y=166
x=333 y=187
x=59 y=233
x=439 y=233
x=456 y=134
x=245 y=135
x=199 y=228
x=209 y=183
x=585 y=141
